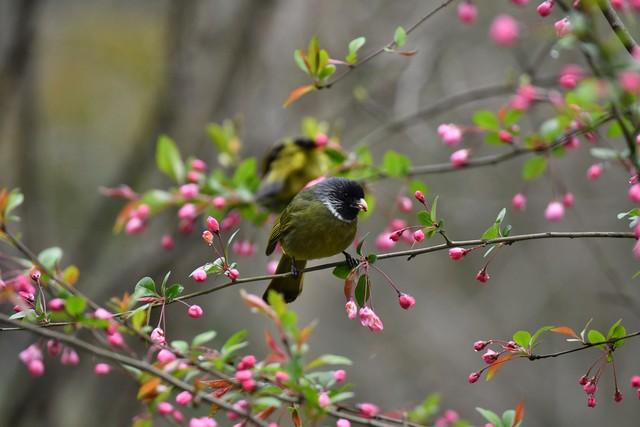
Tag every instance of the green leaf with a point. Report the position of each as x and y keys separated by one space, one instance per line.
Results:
x=156 y=199
x=362 y=291
x=312 y=55
x=181 y=346
x=490 y=416
x=50 y=257
x=328 y=359
x=372 y=258
x=342 y=271
x=297 y=58
x=265 y=402
x=203 y=338
x=507 y=417
x=75 y=305
x=604 y=153
x=354 y=46
x=615 y=130
x=174 y=291
x=416 y=185
x=492 y=138
x=425 y=218
x=245 y=173
x=234 y=340
x=168 y=159
x=522 y=338
x=596 y=336
x=400 y=37
x=534 y=167
x=537 y=334
x=486 y=120
x=145 y=287
x=15 y=199
x=326 y=72
x=492 y=232
x=434 y=212
x=428 y=408
x=617 y=330
x=501 y=215
x=512 y=117
x=395 y=164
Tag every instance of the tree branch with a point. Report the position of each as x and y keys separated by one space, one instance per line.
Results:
x=618 y=26
x=583 y=347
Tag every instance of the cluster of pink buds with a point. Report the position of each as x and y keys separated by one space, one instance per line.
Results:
x=447 y=419
x=244 y=248
x=196 y=171
x=570 y=76
x=138 y=217
x=590 y=387
x=32 y=358
x=22 y=286
x=524 y=97
x=491 y=356
x=394 y=231
x=202 y=422
x=244 y=375
x=451 y=134
x=368 y=410
x=370 y=319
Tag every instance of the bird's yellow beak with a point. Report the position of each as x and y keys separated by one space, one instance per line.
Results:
x=362 y=205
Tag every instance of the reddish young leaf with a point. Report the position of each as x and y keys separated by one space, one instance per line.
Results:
x=295 y=94
x=263 y=415
x=565 y=330
x=123 y=216
x=148 y=389
x=348 y=285
x=502 y=359
x=217 y=383
x=519 y=414
x=407 y=52
x=277 y=355
x=71 y=274
x=295 y=417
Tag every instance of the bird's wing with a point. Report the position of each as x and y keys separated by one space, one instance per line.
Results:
x=276 y=233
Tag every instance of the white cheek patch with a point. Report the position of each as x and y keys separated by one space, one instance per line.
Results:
x=331 y=203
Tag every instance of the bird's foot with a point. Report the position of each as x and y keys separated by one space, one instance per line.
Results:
x=294 y=270
x=351 y=261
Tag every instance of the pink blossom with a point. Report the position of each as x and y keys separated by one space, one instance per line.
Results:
x=370 y=319
x=450 y=134
x=193 y=176
x=634 y=193
x=343 y=423
x=459 y=158
x=384 y=242
x=281 y=377
x=177 y=416
x=54 y=348
x=248 y=385
x=480 y=345
x=167 y=242
x=56 y=304
x=544 y=8
x=457 y=253
x=231 y=220
x=115 y=339
x=243 y=375
x=594 y=171
x=489 y=357
x=212 y=224
x=30 y=353
x=568 y=200
x=219 y=202
x=368 y=410
x=321 y=139
x=467 y=12
x=504 y=30
x=519 y=201
x=418 y=235
x=405 y=204
x=69 y=357
x=591 y=401
x=473 y=377
x=134 y=226
x=617 y=396
x=483 y=276
x=630 y=81
x=184 y=398
x=103 y=314
x=340 y=375
x=324 y=400
x=233 y=274
x=164 y=408
x=202 y=422
x=36 y=368
x=419 y=196
x=563 y=27
x=157 y=336
x=635 y=381
x=590 y=387
x=188 y=211
x=520 y=2
x=165 y=356
x=406 y=301
x=189 y=191
x=199 y=275
x=247 y=362
x=102 y=369
x=198 y=165
x=195 y=311
x=570 y=75
x=351 y=309
x=554 y=211
x=207 y=236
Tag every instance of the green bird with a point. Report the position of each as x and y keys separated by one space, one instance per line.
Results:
x=321 y=221
x=287 y=168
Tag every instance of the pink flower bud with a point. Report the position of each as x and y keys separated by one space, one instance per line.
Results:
x=189 y=191
x=321 y=139
x=248 y=385
x=418 y=235
x=405 y=204
x=636 y=250
x=451 y=134
x=212 y=224
x=102 y=314
x=368 y=410
x=490 y=357
x=243 y=375
x=544 y=8
x=193 y=176
x=554 y=211
x=505 y=136
x=281 y=377
x=351 y=309
x=635 y=381
x=395 y=236
x=591 y=401
x=384 y=242
x=473 y=377
x=324 y=400
x=568 y=200
x=164 y=408
x=115 y=340
x=629 y=81
x=570 y=75
x=419 y=196
x=483 y=276
x=167 y=242
x=35 y=275
x=583 y=380
x=184 y=398
x=406 y=301
x=504 y=30
x=480 y=345
x=457 y=253
x=590 y=387
x=56 y=304
x=36 y=368
x=231 y=220
x=199 y=275
x=241 y=405
x=30 y=353
x=188 y=212
x=563 y=27
x=520 y=2
x=207 y=236
x=157 y=336
x=165 y=356
x=634 y=193
x=69 y=357
x=177 y=416
x=272 y=266
x=519 y=201
x=343 y=423
x=102 y=369
x=617 y=396
x=134 y=226
x=54 y=348
x=202 y=422
x=233 y=274
x=247 y=362
x=459 y=158
x=143 y=211
x=467 y=12
x=198 y=165
x=594 y=172
x=340 y=375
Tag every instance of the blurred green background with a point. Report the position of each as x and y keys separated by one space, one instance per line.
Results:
x=87 y=86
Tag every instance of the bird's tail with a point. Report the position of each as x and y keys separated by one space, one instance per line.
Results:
x=290 y=286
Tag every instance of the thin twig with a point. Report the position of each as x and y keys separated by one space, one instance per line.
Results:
x=583 y=347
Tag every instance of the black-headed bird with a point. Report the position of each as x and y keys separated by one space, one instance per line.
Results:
x=320 y=221
x=287 y=168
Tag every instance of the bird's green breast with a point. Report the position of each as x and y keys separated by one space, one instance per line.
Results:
x=312 y=231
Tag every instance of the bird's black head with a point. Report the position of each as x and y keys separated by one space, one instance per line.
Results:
x=342 y=196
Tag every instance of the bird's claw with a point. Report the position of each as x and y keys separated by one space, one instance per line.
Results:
x=351 y=261
x=294 y=270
